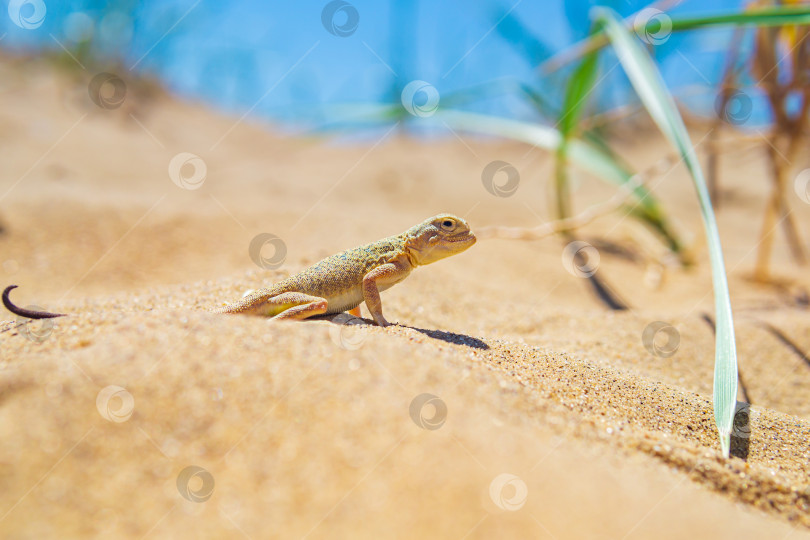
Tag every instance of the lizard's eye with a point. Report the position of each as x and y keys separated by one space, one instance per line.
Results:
x=447 y=224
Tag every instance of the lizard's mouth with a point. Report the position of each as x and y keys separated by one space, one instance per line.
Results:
x=460 y=242
x=466 y=237
x=439 y=248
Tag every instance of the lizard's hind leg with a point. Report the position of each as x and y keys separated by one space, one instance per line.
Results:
x=297 y=306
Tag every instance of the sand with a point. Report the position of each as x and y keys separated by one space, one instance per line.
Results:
x=306 y=429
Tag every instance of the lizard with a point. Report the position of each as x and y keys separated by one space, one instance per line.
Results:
x=345 y=280
x=342 y=281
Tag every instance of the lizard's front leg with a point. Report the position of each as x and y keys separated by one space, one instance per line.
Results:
x=389 y=272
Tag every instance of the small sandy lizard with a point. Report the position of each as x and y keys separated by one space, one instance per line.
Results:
x=343 y=281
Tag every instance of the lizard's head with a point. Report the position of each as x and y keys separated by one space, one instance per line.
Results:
x=438 y=237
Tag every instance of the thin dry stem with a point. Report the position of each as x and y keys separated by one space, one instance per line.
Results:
x=563 y=225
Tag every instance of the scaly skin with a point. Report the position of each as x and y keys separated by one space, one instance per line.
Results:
x=341 y=282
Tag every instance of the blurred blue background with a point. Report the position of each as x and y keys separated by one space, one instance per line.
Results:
x=281 y=60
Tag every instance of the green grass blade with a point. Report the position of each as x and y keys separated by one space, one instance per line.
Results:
x=579 y=87
x=647 y=81
x=769 y=16
x=775 y=16
x=499 y=88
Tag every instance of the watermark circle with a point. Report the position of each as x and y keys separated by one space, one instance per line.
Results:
x=580 y=259
x=422 y=404
x=508 y=492
x=198 y=474
x=345 y=332
x=36 y=330
x=801 y=184
x=420 y=98
x=735 y=108
x=506 y=188
x=27 y=14
x=187 y=170
x=78 y=27
x=115 y=404
x=107 y=90
x=653 y=26
x=257 y=247
x=650 y=339
x=331 y=18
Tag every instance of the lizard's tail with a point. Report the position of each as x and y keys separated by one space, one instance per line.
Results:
x=27 y=313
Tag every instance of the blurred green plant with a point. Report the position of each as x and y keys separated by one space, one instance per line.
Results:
x=779 y=27
x=792 y=12
x=86 y=46
x=775 y=25
x=580 y=85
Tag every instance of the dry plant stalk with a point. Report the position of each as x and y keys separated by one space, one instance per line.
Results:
x=561 y=225
x=726 y=92
x=782 y=82
x=590 y=214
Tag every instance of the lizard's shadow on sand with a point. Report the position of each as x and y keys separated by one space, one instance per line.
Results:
x=441 y=335
x=450 y=337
